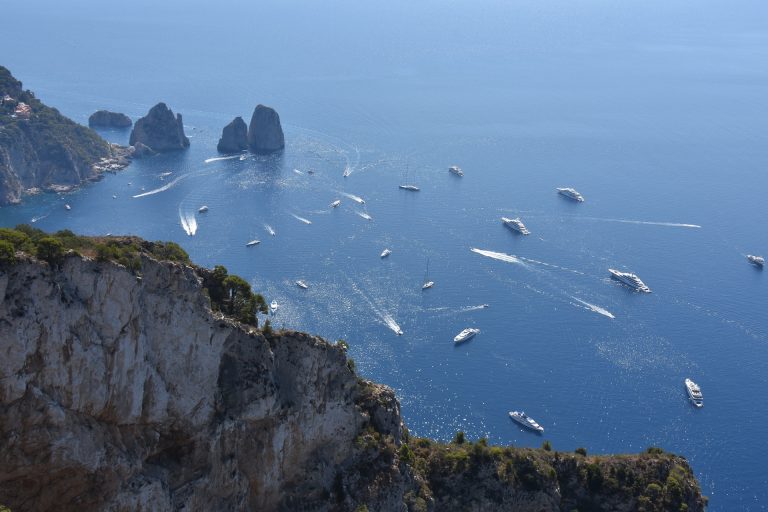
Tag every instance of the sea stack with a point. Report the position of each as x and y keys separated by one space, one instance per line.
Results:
x=107 y=119
x=265 y=135
x=234 y=137
x=160 y=130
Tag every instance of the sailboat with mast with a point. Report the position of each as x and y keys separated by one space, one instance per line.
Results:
x=406 y=185
x=427 y=282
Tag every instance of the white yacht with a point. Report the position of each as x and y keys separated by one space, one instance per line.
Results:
x=427 y=283
x=252 y=243
x=412 y=188
x=365 y=216
x=525 y=420
x=630 y=280
x=465 y=335
x=274 y=306
x=67 y=207
x=757 y=261
x=571 y=194
x=455 y=169
x=302 y=284
x=347 y=171
x=336 y=203
x=516 y=225
x=694 y=393
x=385 y=253
x=202 y=209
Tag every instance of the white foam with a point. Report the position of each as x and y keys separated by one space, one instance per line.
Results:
x=497 y=256
x=595 y=308
x=188 y=222
x=537 y=262
x=161 y=189
x=390 y=322
x=353 y=197
x=302 y=219
x=219 y=158
x=647 y=223
x=269 y=229
x=298 y=172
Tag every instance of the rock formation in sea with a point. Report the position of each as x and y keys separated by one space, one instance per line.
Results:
x=124 y=387
x=234 y=137
x=107 y=119
x=265 y=134
x=40 y=149
x=160 y=130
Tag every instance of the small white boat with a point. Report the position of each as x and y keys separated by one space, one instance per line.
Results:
x=455 y=169
x=427 y=283
x=301 y=284
x=694 y=393
x=202 y=209
x=347 y=172
x=757 y=261
x=336 y=203
x=252 y=243
x=298 y=171
x=525 y=420
x=571 y=193
x=67 y=207
x=365 y=216
x=243 y=157
x=385 y=253
x=274 y=306
x=516 y=225
x=114 y=196
x=412 y=188
x=465 y=335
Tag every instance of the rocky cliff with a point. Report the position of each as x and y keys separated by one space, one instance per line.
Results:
x=107 y=119
x=40 y=149
x=122 y=390
x=160 y=130
x=265 y=134
x=234 y=137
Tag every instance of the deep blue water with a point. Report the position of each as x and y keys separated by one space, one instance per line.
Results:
x=656 y=112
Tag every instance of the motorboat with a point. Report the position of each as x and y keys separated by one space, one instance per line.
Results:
x=274 y=306
x=694 y=393
x=365 y=216
x=525 y=420
x=427 y=283
x=757 y=261
x=67 y=207
x=252 y=243
x=301 y=284
x=630 y=280
x=385 y=253
x=412 y=188
x=455 y=169
x=516 y=225
x=336 y=203
x=347 y=172
x=243 y=157
x=571 y=193
x=202 y=209
x=465 y=335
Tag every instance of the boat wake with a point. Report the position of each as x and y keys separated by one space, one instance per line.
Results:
x=39 y=217
x=188 y=222
x=302 y=219
x=161 y=189
x=647 y=223
x=219 y=158
x=550 y=265
x=390 y=322
x=498 y=256
x=593 y=307
x=473 y=308
x=269 y=229
x=385 y=317
x=353 y=197
x=298 y=172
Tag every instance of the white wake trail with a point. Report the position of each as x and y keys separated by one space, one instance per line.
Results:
x=594 y=307
x=161 y=189
x=269 y=229
x=647 y=223
x=188 y=222
x=387 y=318
x=219 y=158
x=498 y=256
x=353 y=197
x=302 y=219
x=537 y=262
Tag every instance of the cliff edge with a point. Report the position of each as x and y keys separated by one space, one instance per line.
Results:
x=123 y=388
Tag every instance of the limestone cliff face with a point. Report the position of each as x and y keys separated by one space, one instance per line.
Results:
x=265 y=134
x=160 y=130
x=40 y=149
x=123 y=391
x=234 y=137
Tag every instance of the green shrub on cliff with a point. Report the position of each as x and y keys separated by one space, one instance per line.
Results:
x=50 y=249
x=233 y=296
x=7 y=254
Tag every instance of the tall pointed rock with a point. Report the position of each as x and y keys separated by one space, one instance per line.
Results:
x=265 y=135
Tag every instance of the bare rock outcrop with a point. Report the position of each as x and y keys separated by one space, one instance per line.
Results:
x=160 y=130
x=234 y=137
x=265 y=134
x=107 y=119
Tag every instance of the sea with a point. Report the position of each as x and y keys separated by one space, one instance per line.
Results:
x=655 y=111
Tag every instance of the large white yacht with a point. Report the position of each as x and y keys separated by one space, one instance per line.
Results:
x=515 y=225
x=455 y=169
x=694 y=393
x=571 y=194
x=630 y=280
x=757 y=261
x=525 y=420
x=465 y=335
